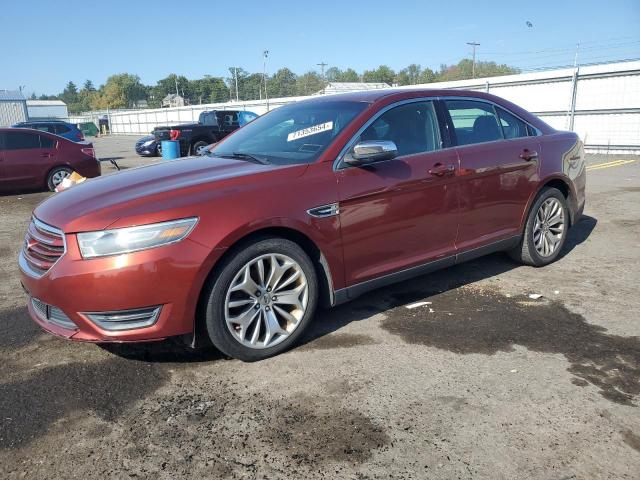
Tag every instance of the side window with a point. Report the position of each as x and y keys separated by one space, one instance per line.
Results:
x=61 y=128
x=46 y=142
x=21 y=141
x=474 y=122
x=43 y=127
x=412 y=127
x=511 y=125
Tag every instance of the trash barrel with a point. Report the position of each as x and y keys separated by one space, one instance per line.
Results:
x=170 y=149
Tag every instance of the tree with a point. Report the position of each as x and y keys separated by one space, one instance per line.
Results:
x=282 y=84
x=167 y=85
x=382 y=74
x=410 y=75
x=208 y=90
x=334 y=74
x=70 y=94
x=464 y=70
x=309 y=83
x=121 y=91
x=88 y=86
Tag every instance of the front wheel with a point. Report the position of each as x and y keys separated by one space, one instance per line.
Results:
x=545 y=231
x=262 y=300
x=196 y=146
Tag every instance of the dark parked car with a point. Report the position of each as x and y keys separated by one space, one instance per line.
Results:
x=57 y=127
x=212 y=127
x=315 y=202
x=35 y=159
x=147 y=146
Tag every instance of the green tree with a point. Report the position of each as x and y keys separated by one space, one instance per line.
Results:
x=464 y=70
x=410 y=75
x=334 y=74
x=282 y=84
x=208 y=90
x=121 y=91
x=88 y=86
x=309 y=83
x=382 y=74
x=70 y=94
x=167 y=85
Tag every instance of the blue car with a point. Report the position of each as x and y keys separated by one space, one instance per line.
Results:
x=148 y=147
x=57 y=127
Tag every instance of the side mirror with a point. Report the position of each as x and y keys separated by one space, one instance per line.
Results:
x=370 y=151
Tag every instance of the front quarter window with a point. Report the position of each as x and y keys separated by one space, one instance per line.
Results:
x=292 y=134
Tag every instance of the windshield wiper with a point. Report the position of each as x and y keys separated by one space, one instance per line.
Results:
x=249 y=157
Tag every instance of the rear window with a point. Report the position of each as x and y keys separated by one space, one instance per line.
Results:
x=60 y=128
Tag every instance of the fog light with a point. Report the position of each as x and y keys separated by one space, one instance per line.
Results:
x=125 y=319
x=52 y=314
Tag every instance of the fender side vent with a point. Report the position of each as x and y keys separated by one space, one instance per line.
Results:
x=324 y=211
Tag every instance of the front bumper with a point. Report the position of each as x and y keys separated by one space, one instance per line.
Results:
x=169 y=277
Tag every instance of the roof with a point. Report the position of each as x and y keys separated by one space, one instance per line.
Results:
x=11 y=95
x=46 y=103
x=343 y=87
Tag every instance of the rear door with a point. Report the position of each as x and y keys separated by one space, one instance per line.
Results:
x=498 y=170
x=399 y=213
x=27 y=158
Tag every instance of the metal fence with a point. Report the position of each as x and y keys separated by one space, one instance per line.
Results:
x=599 y=102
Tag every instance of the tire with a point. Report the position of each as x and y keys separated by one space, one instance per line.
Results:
x=533 y=249
x=158 y=150
x=227 y=298
x=56 y=176
x=197 y=145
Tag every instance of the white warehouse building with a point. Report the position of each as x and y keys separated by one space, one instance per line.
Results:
x=47 y=109
x=13 y=108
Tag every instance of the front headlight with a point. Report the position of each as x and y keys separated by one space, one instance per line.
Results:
x=147 y=143
x=133 y=239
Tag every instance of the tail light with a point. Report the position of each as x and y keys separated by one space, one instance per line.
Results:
x=174 y=134
x=89 y=151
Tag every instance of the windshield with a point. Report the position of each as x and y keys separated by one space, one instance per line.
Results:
x=293 y=134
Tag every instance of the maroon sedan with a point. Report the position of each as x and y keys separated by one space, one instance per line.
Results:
x=34 y=159
x=314 y=203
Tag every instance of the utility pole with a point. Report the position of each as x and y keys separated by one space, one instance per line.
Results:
x=235 y=76
x=322 y=65
x=176 y=80
x=473 y=65
x=265 y=54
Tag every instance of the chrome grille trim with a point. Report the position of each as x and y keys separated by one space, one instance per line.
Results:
x=33 y=258
x=125 y=319
x=50 y=314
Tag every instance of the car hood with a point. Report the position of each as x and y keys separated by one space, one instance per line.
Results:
x=153 y=193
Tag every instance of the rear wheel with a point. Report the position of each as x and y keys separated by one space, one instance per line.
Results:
x=197 y=146
x=262 y=300
x=56 y=176
x=545 y=230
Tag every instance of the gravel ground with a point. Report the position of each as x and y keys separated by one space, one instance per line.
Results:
x=483 y=382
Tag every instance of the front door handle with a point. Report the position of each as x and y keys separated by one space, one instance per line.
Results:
x=440 y=170
x=528 y=155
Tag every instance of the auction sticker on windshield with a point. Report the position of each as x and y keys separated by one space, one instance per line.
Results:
x=305 y=132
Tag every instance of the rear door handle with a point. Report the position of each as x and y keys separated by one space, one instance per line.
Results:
x=528 y=155
x=440 y=170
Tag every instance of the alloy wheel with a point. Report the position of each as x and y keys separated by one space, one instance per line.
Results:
x=548 y=227
x=266 y=301
x=59 y=176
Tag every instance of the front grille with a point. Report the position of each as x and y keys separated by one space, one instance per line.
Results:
x=52 y=314
x=43 y=246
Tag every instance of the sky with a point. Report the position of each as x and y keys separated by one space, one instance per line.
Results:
x=47 y=43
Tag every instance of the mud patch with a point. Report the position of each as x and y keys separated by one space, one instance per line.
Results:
x=338 y=340
x=631 y=439
x=108 y=388
x=311 y=435
x=16 y=328
x=467 y=320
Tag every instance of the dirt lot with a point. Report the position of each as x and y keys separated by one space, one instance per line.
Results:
x=484 y=382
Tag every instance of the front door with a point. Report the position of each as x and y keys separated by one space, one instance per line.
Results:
x=399 y=213
x=498 y=170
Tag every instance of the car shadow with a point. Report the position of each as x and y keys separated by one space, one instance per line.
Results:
x=415 y=289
